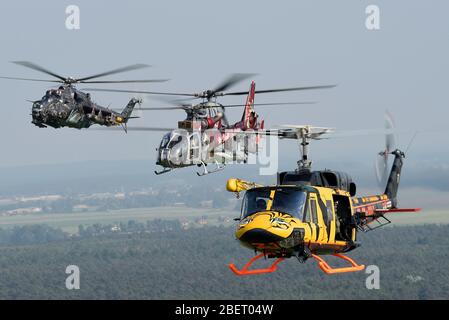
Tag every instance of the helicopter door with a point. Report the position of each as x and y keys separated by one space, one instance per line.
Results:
x=195 y=147
x=344 y=226
x=319 y=217
x=313 y=217
x=331 y=219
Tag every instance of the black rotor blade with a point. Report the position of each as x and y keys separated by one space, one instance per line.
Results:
x=142 y=92
x=164 y=108
x=115 y=71
x=158 y=108
x=125 y=81
x=280 y=90
x=34 y=66
x=227 y=106
x=268 y=104
x=28 y=79
x=134 y=129
x=232 y=80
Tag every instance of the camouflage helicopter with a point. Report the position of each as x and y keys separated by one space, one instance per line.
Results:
x=67 y=106
x=308 y=214
x=206 y=136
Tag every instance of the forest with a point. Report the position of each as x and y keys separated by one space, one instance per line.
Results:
x=160 y=260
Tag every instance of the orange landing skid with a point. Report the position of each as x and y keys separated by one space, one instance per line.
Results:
x=329 y=270
x=245 y=270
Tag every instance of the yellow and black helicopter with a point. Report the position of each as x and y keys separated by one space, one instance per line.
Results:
x=308 y=214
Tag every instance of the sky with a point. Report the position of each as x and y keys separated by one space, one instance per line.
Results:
x=401 y=67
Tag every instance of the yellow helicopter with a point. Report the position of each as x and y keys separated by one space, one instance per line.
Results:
x=309 y=214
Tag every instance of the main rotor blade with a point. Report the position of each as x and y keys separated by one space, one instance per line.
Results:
x=142 y=92
x=268 y=104
x=221 y=106
x=232 y=80
x=28 y=79
x=159 y=108
x=134 y=129
x=115 y=71
x=279 y=90
x=34 y=66
x=125 y=81
x=164 y=108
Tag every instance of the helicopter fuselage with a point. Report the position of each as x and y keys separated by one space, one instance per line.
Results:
x=301 y=219
x=206 y=137
x=284 y=221
x=182 y=148
x=69 y=107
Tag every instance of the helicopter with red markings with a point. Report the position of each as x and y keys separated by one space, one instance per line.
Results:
x=206 y=136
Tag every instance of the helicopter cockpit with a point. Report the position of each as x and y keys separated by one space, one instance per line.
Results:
x=165 y=140
x=51 y=109
x=172 y=150
x=289 y=200
x=171 y=139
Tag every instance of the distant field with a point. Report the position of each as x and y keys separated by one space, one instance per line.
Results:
x=421 y=217
x=70 y=221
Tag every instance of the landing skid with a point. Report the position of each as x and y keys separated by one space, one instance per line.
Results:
x=245 y=270
x=205 y=171
x=329 y=270
x=162 y=171
x=321 y=263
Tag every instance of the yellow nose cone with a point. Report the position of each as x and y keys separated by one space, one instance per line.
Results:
x=231 y=185
x=270 y=222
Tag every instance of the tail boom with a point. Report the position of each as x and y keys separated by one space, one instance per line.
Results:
x=128 y=110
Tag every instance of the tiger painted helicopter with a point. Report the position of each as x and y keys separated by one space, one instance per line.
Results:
x=308 y=214
x=206 y=136
x=66 y=106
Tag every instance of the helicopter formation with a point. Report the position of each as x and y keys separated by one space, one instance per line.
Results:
x=203 y=138
x=206 y=136
x=306 y=214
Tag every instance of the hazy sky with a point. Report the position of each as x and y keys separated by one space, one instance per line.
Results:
x=402 y=67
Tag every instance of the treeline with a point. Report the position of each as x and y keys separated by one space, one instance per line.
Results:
x=39 y=233
x=132 y=226
x=32 y=234
x=192 y=264
x=190 y=197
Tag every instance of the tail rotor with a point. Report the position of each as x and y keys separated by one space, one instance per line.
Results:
x=381 y=164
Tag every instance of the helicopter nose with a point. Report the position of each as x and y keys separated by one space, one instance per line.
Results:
x=36 y=107
x=264 y=227
x=258 y=235
x=176 y=156
x=163 y=157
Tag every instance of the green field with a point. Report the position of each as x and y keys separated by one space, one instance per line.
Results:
x=70 y=221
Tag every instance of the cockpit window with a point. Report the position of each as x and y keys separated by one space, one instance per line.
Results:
x=175 y=139
x=288 y=200
x=165 y=140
